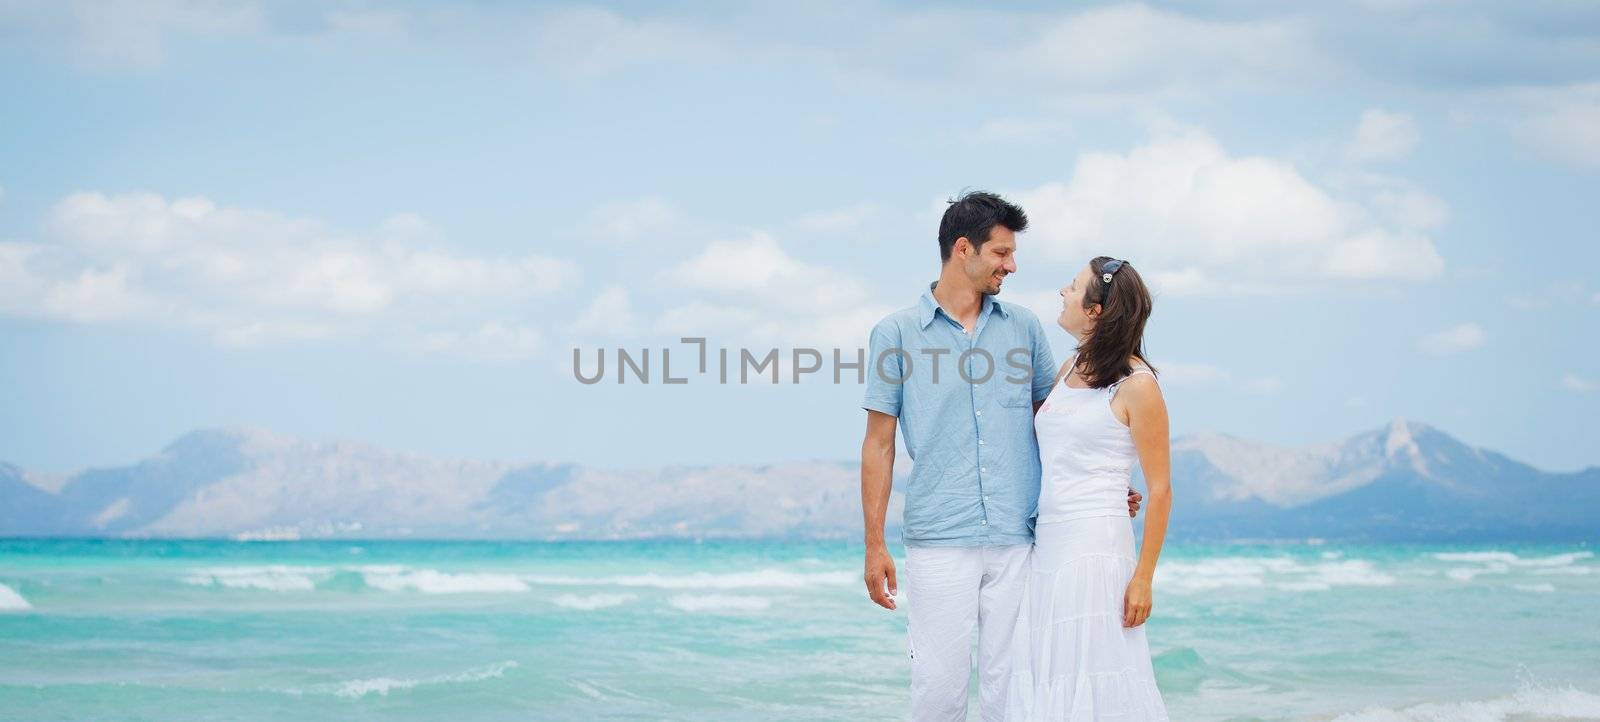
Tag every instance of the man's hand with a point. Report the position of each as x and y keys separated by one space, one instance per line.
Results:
x=1133 y=502
x=880 y=576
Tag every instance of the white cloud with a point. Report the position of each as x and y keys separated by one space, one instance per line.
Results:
x=1554 y=293
x=628 y=221
x=1133 y=48
x=851 y=219
x=1382 y=136
x=1196 y=219
x=757 y=267
x=1191 y=374
x=1023 y=130
x=1405 y=205
x=610 y=313
x=1574 y=382
x=489 y=341
x=248 y=276
x=1562 y=124
x=755 y=292
x=1458 y=338
x=123 y=33
x=592 y=41
x=1183 y=373
x=1124 y=50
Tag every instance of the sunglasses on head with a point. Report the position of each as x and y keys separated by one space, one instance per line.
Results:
x=1106 y=272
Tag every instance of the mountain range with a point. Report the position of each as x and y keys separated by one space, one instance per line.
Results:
x=1405 y=482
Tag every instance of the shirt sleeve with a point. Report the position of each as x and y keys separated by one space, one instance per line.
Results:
x=884 y=381
x=1044 y=362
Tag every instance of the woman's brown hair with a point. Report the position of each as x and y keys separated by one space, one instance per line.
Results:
x=1118 y=332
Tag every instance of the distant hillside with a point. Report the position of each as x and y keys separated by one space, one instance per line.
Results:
x=1404 y=482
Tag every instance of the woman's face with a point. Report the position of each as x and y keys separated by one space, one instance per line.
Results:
x=1073 y=317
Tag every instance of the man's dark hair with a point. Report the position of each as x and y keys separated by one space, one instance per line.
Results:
x=973 y=215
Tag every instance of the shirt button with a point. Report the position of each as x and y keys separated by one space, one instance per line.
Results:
x=982 y=470
x=980 y=413
x=985 y=522
x=980 y=442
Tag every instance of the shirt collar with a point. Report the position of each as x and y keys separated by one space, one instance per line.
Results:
x=930 y=308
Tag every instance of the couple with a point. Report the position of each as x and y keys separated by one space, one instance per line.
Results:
x=999 y=436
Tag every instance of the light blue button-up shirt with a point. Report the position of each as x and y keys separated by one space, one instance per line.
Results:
x=965 y=409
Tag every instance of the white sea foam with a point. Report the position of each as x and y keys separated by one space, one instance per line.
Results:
x=1506 y=557
x=1509 y=558
x=1529 y=703
x=761 y=578
x=1465 y=574
x=1504 y=562
x=430 y=581
x=590 y=602
x=1282 y=573
x=272 y=578
x=1576 y=571
x=1542 y=587
x=398 y=578
x=1555 y=560
x=11 y=601
x=382 y=686
x=719 y=603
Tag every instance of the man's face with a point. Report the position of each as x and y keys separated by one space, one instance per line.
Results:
x=991 y=264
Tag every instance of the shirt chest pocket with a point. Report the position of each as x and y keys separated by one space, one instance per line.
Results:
x=1014 y=395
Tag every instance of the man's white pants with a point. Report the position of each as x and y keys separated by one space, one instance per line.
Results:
x=951 y=590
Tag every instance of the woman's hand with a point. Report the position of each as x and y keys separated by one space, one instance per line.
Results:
x=1136 y=602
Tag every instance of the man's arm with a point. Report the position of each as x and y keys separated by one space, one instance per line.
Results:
x=877 y=477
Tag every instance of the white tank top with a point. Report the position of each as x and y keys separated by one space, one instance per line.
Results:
x=1086 y=454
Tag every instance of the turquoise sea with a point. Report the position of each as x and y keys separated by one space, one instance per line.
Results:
x=204 y=630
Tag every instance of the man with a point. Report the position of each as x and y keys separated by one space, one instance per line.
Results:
x=961 y=374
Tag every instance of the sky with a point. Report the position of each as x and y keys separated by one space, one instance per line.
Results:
x=395 y=222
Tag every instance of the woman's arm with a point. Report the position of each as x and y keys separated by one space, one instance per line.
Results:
x=1147 y=419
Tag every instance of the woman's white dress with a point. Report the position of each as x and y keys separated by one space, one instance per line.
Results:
x=1073 y=658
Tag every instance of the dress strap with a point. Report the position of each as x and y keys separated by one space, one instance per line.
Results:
x=1137 y=369
x=1066 y=368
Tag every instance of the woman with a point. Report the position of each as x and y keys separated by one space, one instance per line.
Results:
x=1080 y=650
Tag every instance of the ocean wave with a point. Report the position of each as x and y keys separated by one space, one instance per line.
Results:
x=1564 y=570
x=719 y=603
x=1465 y=574
x=402 y=578
x=600 y=692
x=591 y=602
x=1530 y=703
x=761 y=578
x=1504 y=562
x=381 y=577
x=272 y=578
x=382 y=686
x=1544 y=587
x=11 y=601
x=1282 y=573
x=429 y=581
x=1512 y=559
